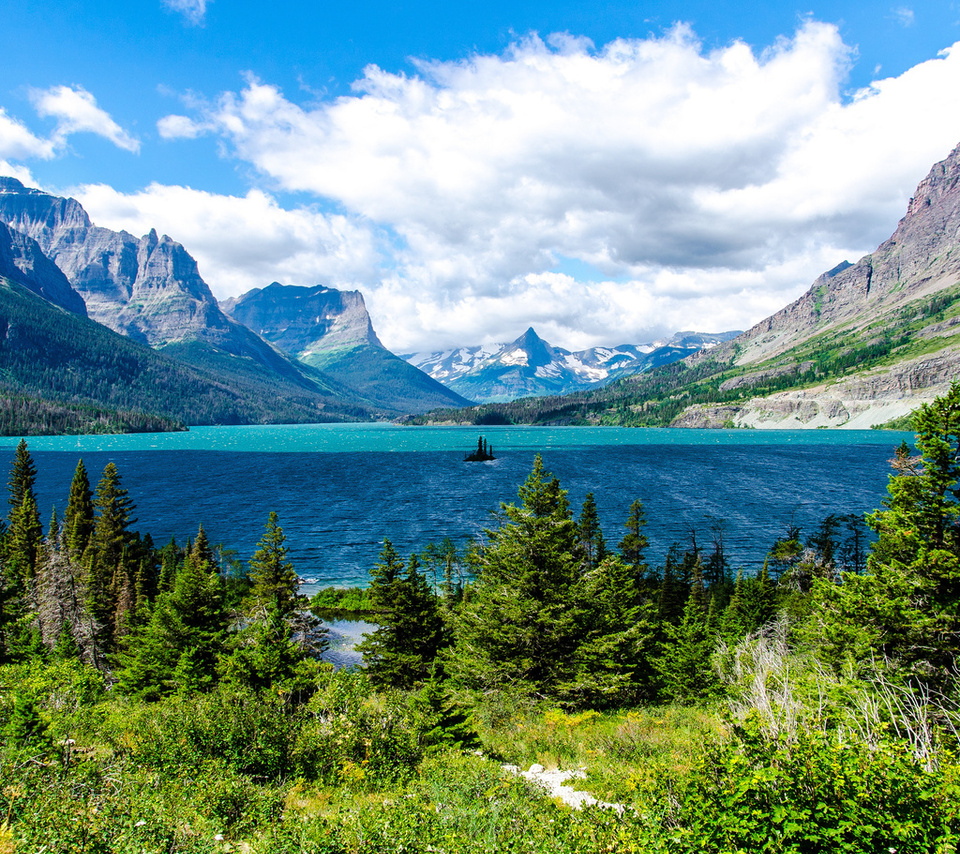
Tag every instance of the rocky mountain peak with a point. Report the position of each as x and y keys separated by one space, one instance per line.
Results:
x=917 y=260
x=303 y=320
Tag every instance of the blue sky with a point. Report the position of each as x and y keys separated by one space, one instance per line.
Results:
x=605 y=172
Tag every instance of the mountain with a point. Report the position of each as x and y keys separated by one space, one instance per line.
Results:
x=530 y=366
x=866 y=345
x=330 y=330
x=148 y=288
x=22 y=261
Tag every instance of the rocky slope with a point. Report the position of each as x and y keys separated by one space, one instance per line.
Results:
x=531 y=366
x=330 y=330
x=895 y=311
x=22 y=261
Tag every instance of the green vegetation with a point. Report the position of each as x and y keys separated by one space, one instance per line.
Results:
x=158 y=700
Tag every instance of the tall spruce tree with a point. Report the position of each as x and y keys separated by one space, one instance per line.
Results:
x=23 y=477
x=274 y=580
x=613 y=659
x=78 y=519
x=634 y=543
x=904 y=611
x=104 y=556
x=410 y=629
x=179 y=649
x=590 y=535
x=684 y=665
x=518 y=624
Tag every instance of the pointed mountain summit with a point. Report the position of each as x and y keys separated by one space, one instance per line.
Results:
x=530 y=366
x=331 y=330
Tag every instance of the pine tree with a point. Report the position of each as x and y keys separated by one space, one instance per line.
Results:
x=111 y=532
x=410 y=630
x=202 y=550
x=78 y=519
x=905 y=610
x=519 y=626
x=23 y=477
x=684 y=662
x=634 y=543
x=274 y=580
x=590 y=535
x=613 y=658
x=180 y=647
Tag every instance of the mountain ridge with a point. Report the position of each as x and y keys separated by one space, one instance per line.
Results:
x=531 y=366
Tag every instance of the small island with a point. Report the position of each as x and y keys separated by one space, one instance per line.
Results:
x=482 y=454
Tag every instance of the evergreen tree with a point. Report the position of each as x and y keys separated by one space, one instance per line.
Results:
x=410 y=631
x=673 y=592
x=905 y=610
x=180 y=647
x=23 y=477
x=202 y=550
x=613 y=658
x=518 y=626
x=752 y=605
x=111 y=532
x=590 y=535
x=23 y=541
x=684 y=664
x=78 y=519
x=274 y=580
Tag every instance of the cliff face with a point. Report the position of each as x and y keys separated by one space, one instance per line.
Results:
x=920 y=258
x=22 y=261
x=305 y=320
x=331 y=330
x=901 y=298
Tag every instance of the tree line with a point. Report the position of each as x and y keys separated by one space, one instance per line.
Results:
x=157 y=620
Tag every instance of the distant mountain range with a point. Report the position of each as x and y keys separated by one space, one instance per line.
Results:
x=530 y=366
x=864 y=346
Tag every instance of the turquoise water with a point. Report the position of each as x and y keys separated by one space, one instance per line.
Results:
x=389 y=438
x=340 y=489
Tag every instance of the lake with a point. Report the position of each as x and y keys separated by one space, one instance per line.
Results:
x=340 y=489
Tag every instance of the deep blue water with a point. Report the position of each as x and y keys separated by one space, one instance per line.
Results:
x=339 y=490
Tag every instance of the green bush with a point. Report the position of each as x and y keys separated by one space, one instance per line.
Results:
x=817 y=792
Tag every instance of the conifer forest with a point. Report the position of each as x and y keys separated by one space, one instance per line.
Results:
x=172 y=698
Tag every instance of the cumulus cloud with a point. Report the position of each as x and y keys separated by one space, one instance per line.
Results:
x=243 y=242
x=18 y=143
x=707 y=187
x=76 y=111
x=193 y=11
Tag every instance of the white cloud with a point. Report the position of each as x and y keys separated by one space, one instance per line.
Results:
x=18 y=143
x=243 y=242
x=179 y=127
x=76 y=111
x=193 y=11
x=710 y=187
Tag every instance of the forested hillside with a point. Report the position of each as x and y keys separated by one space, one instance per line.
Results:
x=171 y=699
x=63 y=359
